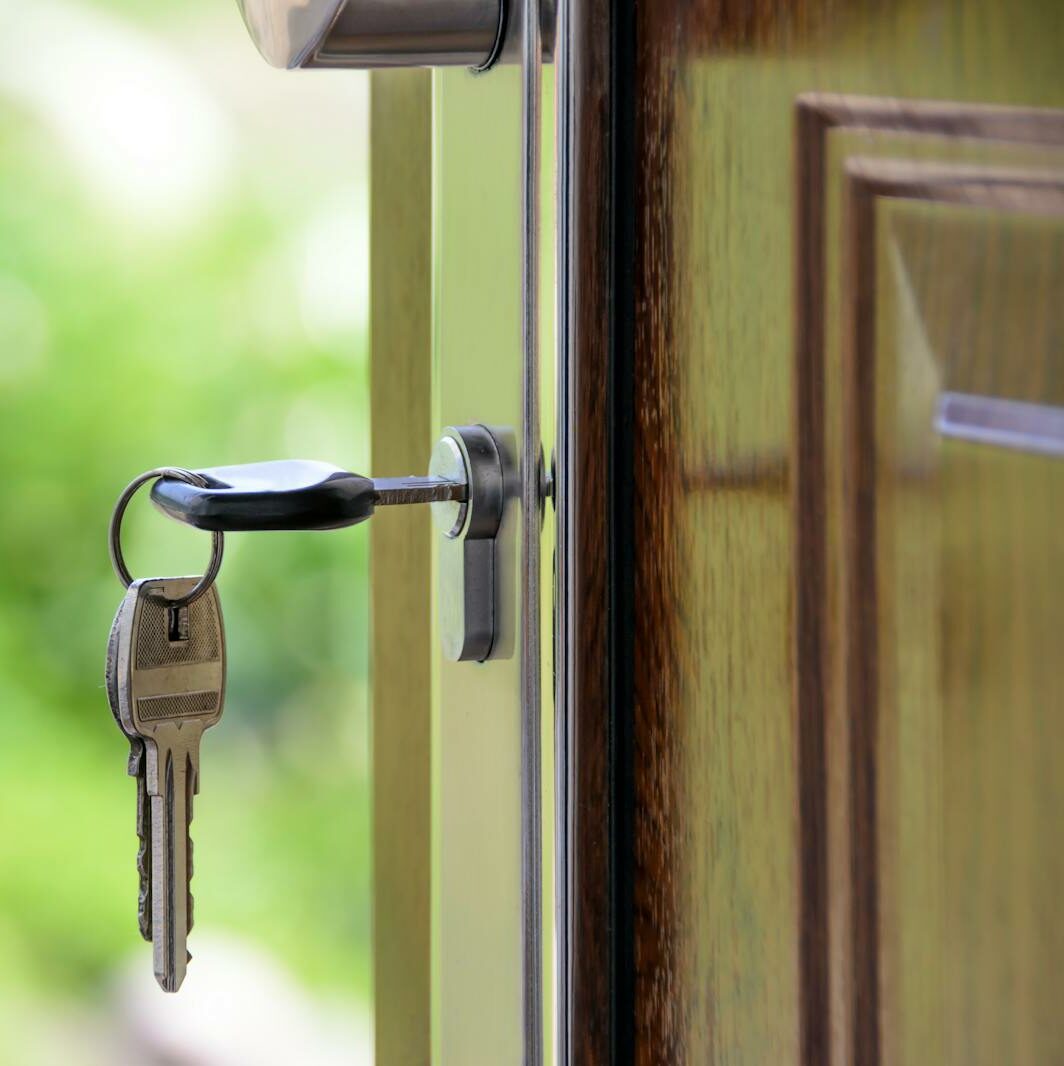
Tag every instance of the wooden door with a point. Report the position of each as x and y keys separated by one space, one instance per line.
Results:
x=813 y=361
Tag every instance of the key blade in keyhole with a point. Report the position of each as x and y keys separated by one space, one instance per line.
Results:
x=393 y=491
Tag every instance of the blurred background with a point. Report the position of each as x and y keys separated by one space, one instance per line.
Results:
x=182 y=281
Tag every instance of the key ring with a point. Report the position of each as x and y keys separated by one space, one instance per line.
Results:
x=115 y=532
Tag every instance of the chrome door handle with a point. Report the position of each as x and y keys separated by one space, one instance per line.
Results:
x=377 y=33
x=362 y=34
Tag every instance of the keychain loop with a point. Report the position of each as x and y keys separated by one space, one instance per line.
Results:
x=115 y=532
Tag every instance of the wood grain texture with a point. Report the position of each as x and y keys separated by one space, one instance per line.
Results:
x=893 y=534
x=715 y=923
x=746 y=916
x=817 y=116
x=401 y=547
x=665 y=665
x=587 y=1010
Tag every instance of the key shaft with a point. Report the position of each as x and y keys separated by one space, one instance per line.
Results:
x=172 y=777
x=392 y=491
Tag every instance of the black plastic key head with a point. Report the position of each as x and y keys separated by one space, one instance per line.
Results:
x=287 y=494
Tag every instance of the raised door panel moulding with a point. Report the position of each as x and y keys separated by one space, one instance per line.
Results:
x=866 y=183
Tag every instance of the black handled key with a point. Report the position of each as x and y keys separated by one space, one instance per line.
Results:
x=294 y=494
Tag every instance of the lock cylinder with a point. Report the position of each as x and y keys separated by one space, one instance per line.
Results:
x=378 y=33
x=470 y=478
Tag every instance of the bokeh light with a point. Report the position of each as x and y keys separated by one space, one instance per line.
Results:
x=182 y=281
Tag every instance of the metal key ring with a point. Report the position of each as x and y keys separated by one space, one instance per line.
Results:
x=115 y=532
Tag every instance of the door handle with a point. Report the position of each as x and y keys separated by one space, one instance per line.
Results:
x=362 y=34
x=467 y=484
x=378 y=33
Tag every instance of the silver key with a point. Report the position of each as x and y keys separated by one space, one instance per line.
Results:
x=169 y=668
x=135 y=768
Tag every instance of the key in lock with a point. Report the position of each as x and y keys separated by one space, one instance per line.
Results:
x=470 y=480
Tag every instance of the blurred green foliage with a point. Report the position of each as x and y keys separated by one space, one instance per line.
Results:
x=122 y=349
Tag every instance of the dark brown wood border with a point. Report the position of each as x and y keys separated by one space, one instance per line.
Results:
x=585 y=764
x=816 y=116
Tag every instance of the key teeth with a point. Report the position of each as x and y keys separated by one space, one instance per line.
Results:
x=144 y=858
x=189 y=918
x=144 y=911
x=135 y=765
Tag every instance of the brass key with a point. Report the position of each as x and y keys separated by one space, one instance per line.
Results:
x=168 y=671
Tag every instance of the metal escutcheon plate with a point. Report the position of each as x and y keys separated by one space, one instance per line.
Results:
x=467 y=580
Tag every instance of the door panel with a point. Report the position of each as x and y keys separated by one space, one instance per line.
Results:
x=448 y=171
x=477 y=711
x=828 y=789
x=478 y=895
x=401 y=544
x=940 y=252
x=952 y=387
